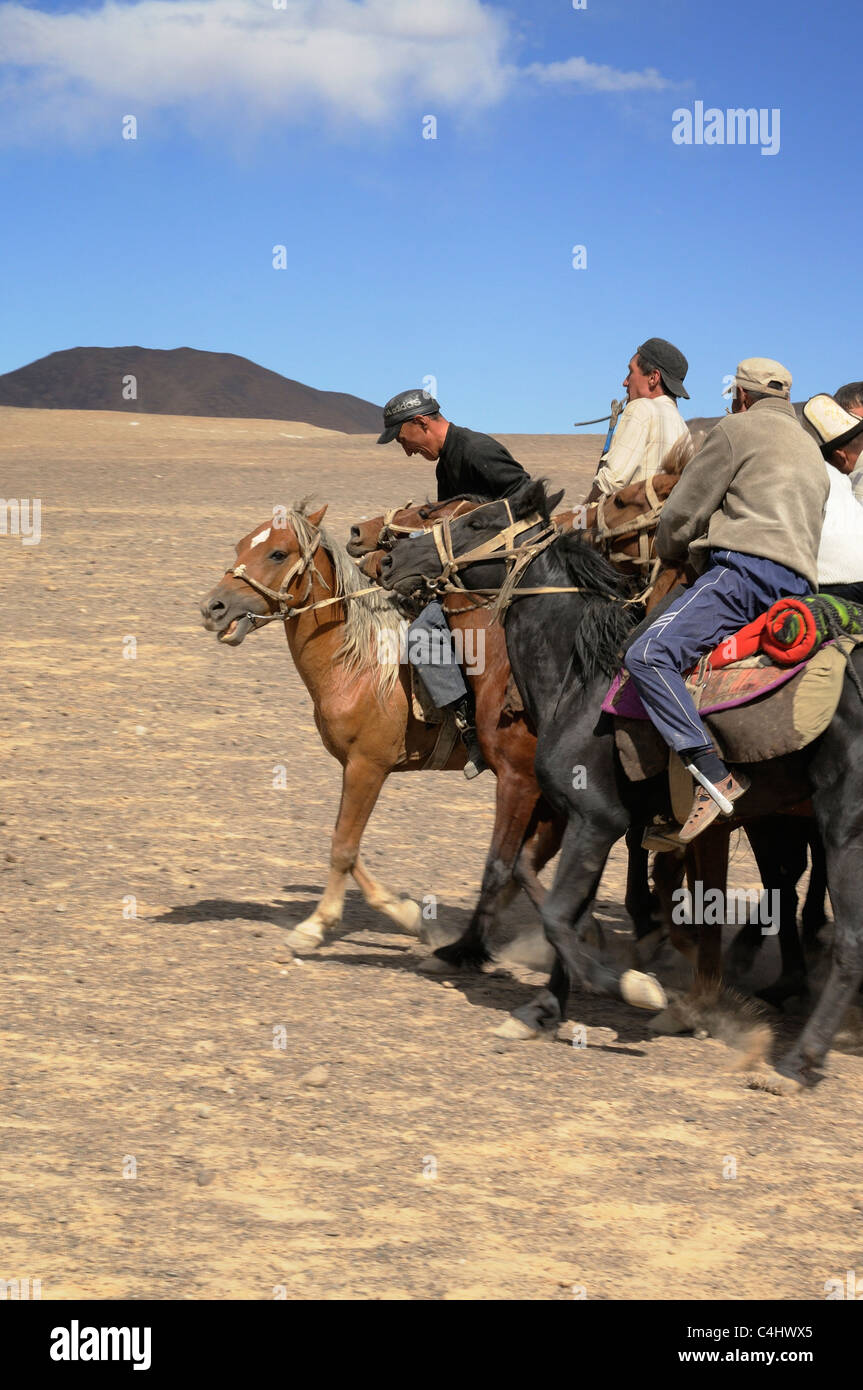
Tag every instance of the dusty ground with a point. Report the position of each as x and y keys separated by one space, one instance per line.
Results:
x=430 y=1165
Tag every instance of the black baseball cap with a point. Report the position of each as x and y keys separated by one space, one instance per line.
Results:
x=403 y=407
x=668 y=361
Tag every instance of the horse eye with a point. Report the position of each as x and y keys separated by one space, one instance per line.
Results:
x=278 y=555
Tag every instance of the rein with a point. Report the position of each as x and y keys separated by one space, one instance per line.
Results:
x=500 y=546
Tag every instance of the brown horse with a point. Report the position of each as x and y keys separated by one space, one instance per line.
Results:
x=297 y=573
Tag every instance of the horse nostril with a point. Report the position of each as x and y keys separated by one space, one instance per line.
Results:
x=212 y=608
x=355 y=533
x=386 y=564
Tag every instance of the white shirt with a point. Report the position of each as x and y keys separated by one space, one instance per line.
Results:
x=645 y=432
x=840 y=554
x=857 y=483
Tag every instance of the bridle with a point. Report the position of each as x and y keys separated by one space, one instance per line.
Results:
x=639 y=526
x=501 y=546
x=303 y=565
x=390 y=531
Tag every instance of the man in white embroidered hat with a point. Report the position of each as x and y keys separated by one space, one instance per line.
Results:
x=840 y=555
x=747 y=514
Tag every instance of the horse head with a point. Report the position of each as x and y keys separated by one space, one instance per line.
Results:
x=417 y=564
x=382 y=532
x=271 y=575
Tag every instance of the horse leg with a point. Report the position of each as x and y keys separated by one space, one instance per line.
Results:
x=710 y=864
x=514 y=812
x=813 y=916
x=361 y=784
x=565 y=916
x=536 y=853
x=807 y=1055
x=641 y=902
x=668 y=871
x=779 y=844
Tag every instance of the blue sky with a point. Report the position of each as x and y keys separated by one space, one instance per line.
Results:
x=450 y=258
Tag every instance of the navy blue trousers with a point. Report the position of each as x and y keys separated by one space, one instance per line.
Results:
x=734 y=589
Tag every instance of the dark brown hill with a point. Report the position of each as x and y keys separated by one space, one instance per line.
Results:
x=180 y=381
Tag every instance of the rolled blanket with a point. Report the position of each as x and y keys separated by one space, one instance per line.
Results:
x=795 y=627
x=791 y=630
x=790 y=633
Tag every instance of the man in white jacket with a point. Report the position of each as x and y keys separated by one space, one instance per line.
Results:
x=840 y=554
x=651 y=421
x=850 y=397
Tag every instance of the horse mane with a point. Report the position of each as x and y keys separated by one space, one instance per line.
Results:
x=533 y=496
x=682 y=450
x=606 y=620
x=366 y=617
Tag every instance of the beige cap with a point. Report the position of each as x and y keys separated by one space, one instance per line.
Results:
x=833 y=425
x=763 y=374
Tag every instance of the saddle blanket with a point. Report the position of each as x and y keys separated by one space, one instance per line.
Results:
x=754 y=709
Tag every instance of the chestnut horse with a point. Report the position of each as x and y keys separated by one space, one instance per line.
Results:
x=297 y=573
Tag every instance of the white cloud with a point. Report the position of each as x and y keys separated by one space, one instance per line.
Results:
x=597 y=77
x=360 y=61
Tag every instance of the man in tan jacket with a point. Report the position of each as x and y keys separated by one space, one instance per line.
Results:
x=747 y=513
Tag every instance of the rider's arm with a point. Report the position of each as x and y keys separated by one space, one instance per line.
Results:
x=703 y=484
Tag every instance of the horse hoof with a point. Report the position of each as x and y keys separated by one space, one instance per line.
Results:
x=304 y=941
x=668 y=1024
x=774 y=1083
x=642 y=991
x=409 y=917
x=433 y=965
x=515 y=1030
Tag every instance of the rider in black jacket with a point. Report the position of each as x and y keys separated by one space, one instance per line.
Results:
x=468 y=463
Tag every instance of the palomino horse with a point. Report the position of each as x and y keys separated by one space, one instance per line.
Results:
x=297 y=573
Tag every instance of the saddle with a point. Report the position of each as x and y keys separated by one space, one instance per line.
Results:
x=426 y=711
x=754 y=708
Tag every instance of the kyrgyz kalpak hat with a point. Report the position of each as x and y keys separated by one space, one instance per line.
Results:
x=833 y=425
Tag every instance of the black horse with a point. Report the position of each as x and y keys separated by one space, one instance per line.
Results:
x=563 y=647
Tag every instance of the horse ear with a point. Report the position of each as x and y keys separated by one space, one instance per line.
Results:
x=554 y=499
x=315 y=518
